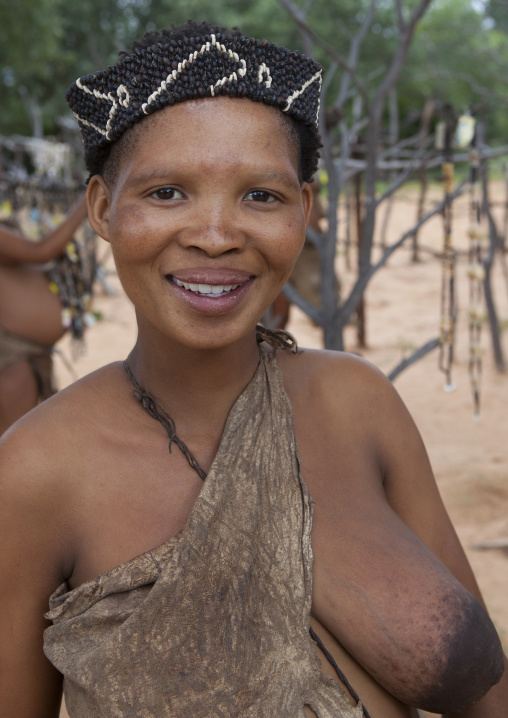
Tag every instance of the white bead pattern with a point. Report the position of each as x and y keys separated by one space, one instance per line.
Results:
x=299 y=92
x=262 y=71
x=261 y=76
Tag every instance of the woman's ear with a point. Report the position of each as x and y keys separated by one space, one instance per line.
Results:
x=307 y=200
x=98 y=197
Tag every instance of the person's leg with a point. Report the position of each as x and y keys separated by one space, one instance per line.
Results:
x=18 y=393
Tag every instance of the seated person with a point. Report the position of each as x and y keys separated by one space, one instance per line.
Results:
x=30 y=316
x=290 y=555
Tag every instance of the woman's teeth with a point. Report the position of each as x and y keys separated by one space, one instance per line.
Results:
x=206 y=290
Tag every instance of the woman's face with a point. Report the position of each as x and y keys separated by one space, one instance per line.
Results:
x=206 y=218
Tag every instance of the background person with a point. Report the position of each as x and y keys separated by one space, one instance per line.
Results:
x=30 y=315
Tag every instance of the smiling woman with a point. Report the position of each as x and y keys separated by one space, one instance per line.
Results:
x=209 y=196
x=290 y=556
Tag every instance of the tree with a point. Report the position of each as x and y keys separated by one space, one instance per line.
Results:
x=45 y=46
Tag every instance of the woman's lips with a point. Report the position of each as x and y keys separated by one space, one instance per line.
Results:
x=211 y=298
x=207 y=290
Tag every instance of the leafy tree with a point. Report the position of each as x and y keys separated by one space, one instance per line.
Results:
x=459 y=53
x=497 y=10
x=30 y=45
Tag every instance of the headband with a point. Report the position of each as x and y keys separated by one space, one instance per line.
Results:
x=110 y=102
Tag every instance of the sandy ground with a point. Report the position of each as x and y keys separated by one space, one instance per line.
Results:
x=469 y=455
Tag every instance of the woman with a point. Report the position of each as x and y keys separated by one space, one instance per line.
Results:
x=290 y=556
x=30 y=315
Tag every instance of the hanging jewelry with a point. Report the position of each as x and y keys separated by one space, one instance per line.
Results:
x=448 y=312
x=157 y=412
x=476 y=273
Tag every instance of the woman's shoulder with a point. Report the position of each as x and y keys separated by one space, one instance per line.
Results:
x=331 y=376
x=57 y=428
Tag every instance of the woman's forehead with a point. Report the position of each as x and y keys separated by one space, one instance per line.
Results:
x=217 y=110
x=219 y=124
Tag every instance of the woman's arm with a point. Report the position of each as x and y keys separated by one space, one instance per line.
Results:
x=30 y=687
x=15 y=249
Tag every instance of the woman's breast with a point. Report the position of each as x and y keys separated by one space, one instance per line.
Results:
x=27 y=305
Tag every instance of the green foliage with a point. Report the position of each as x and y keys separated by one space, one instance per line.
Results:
x=459 y=54
x=30 y=42
x=458 y=58
x=497 y=10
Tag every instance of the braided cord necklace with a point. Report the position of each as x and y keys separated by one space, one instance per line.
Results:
x=277 y=338
x=157 y=412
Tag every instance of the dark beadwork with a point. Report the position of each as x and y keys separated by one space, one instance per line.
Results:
x=110 y=102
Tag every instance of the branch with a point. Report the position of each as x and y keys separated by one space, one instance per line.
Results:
x=307 y=308
x=328 y=78
x=403 y=176
x=400 y=17
x=465 y=77
x=399 y=57
x=300 y=20
x=437 y=210
x=373 y=135
x=354 y=166
x=352 y=301
x=487 y=263
x=354 y=51
x=394 y=149
x=498 y=543
x=416 y=356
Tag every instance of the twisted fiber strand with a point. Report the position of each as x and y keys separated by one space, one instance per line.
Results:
x=277 y=338
x=157 y=412
x=342 y=677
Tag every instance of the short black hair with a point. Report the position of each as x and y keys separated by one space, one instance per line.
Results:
x=105 y=160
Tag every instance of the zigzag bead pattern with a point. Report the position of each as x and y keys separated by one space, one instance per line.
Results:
x=109 y=102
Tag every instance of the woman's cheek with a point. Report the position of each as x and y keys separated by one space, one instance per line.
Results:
x=133 y=232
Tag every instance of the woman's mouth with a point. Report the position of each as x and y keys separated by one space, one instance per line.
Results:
x=207 y=290
x=212 y=299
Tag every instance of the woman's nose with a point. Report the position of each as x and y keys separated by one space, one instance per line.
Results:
x=214 y=231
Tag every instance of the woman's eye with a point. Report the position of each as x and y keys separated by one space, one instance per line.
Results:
x=259 y=195
x=167 y=193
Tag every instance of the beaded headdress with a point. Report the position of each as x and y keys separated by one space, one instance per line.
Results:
x=110 y=102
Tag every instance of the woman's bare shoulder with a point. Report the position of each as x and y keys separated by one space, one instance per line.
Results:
x=335 y=381
x=350 y=409
x=51 y=437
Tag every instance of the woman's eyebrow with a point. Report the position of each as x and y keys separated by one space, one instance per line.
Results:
x=156 y=176
x=143 y=178
x=283 y=177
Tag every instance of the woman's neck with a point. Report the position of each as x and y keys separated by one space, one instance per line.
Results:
x=197 y=387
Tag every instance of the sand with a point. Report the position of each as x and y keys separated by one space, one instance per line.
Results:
x=469 y=455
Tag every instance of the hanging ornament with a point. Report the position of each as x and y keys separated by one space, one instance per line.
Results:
x=476 y=273
x=447 y=326
x=464 y=131
x=448 y=312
